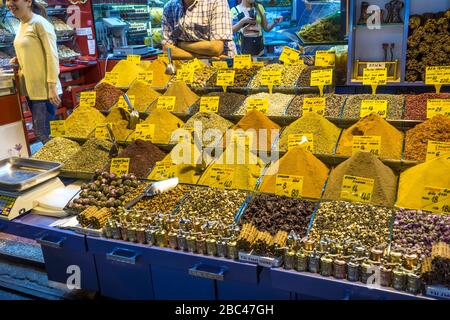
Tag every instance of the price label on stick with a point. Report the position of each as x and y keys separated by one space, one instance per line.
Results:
x=438 y=106
x=271 y=78
x=374 y=78
x=290 y=56
x=437 y=76
x=436 y=200
x=144 y=131
x=357 y=189
x=119 y=166
x=166 y=102
x=146 y=77
x=374 y=106
x=112 y=78
x=221 y=177
x=325 y=58
x=289 y=185
x=225 y=78
x=258 y=64
x=261 y=104
x=88 y=98
x=101 y=132
x=305 y=140
x=370 y=144
x=186 y=75
x=241 y=137
x=316 y=105
x=243 y=61
x=134 y=58
x=163 y=170
x=57 y=128
x=321 y=78
x=436 y=149
x=220 y=64
x=123 y=104
x=209 y=104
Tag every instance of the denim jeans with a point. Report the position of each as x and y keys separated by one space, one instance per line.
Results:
x=43 y=112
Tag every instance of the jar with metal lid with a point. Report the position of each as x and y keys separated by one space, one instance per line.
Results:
x=395 y=257
x=232 y=250
x=376 y=254
x=222 y=247
x=162 y=238
x=200 y=243
x=360 y=251
x=150 y=236
x=385 y=276
x=182 y=241
x=289 y=260
x=140 y=235
x=339 y=268
x=191 y=243
x=124 y=231
x=353 y=271
x=326 y=266
x=411 y=261
x=309 y=245
x=314 y=262
x=399 y=280
x=211 y=246
x=302 y=261
x=107 y=230
x=366 y=271
x=132 y=234
x=116 y=233
x=413 y=283
x=173 y=239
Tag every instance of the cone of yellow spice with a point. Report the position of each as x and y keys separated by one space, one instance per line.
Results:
x=298 y=162
x=373 y=125
x=185 y=97
x=165 y=124
x=128 y=71
x=117 y=117
x=160 y=78
x=325 y=133
x=413 y=181
x=143 y=94
x=82 y=121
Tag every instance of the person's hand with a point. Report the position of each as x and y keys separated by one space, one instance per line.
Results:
x=13 y=61
x=248 y=20
x=53 y=94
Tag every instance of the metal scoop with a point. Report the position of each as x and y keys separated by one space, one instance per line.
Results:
x=115 y=149
x=154 y=189
x=170 y=69
x=134 y=115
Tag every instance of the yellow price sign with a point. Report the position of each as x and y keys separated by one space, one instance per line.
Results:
x=374 y=106
x=163 y=170
x=119 y=166
x=271 y=78
x=225 y=78
x=146 y=77
x=321 y=78
x=209 y=104
x=123 y=104
x=438 y=106
x=193 y=65
x=101 y=132
x=134 y=58
x=376 y=65
x=186 y=75
x=220 y=64
x=370 y=144
x=305 y=140
x=258 y=64
x=243 y=61
x=88 y=98
x=144 y=131
x=436 y=149
x=289 y=185
x=164 y=58
x=166 y=102
x=261 y=104
x=290 y=56
x=374 y=78
x=437 y=76
x=317 y=105
x=57 y=128
x=325 y=58
x=358 y=189
x=221 y=177
x=242 y=137
x=112 y=78
x=436 y=200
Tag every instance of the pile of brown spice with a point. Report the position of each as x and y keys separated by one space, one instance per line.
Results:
x=416 y=104
x=107 y=96
x=434 y=129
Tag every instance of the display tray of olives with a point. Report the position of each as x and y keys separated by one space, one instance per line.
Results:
x=106 y=190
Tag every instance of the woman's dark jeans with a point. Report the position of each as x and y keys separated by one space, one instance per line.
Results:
x=43 y=112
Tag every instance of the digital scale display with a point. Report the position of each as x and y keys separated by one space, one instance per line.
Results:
x=6 y=204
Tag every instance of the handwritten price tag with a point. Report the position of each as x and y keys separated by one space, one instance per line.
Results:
x=163 y=170
x=164 y=58
x=271 y=78
x=290 y=56
x=289 y=185
x=436 y=200
x=221 y=177
x=438 y=106
x=243 y=61
x=321 y=78
x=316 y=105
x=209 y=104
x=220 y=64
x=240 y=137
x=261 y=105
x=88 y=98
x=134 y=58
x=144 y=131
x=119 y=166
x=325 y=58
x=146 y=77
x=299 y=139
x=166 y=102
x=101 y=132
x=374 y=78
x=437 y=75
x=436 y=149
x=357 y=189
x=112 y=78
x=57 y=128
x=225 y=78
x=258 y=64
x=373 y=106
x=186 y=75
x=370 y=144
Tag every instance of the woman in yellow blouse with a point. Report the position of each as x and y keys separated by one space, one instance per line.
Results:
x=249 y=21
x=37 y=57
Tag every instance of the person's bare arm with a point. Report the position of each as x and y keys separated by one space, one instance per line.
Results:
x=213 y=48
x=178 y=53
x=265 y=23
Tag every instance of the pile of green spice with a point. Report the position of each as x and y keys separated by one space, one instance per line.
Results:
x=229 y=102
x=208 y=120
x=94 y=154
x=57 y=149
